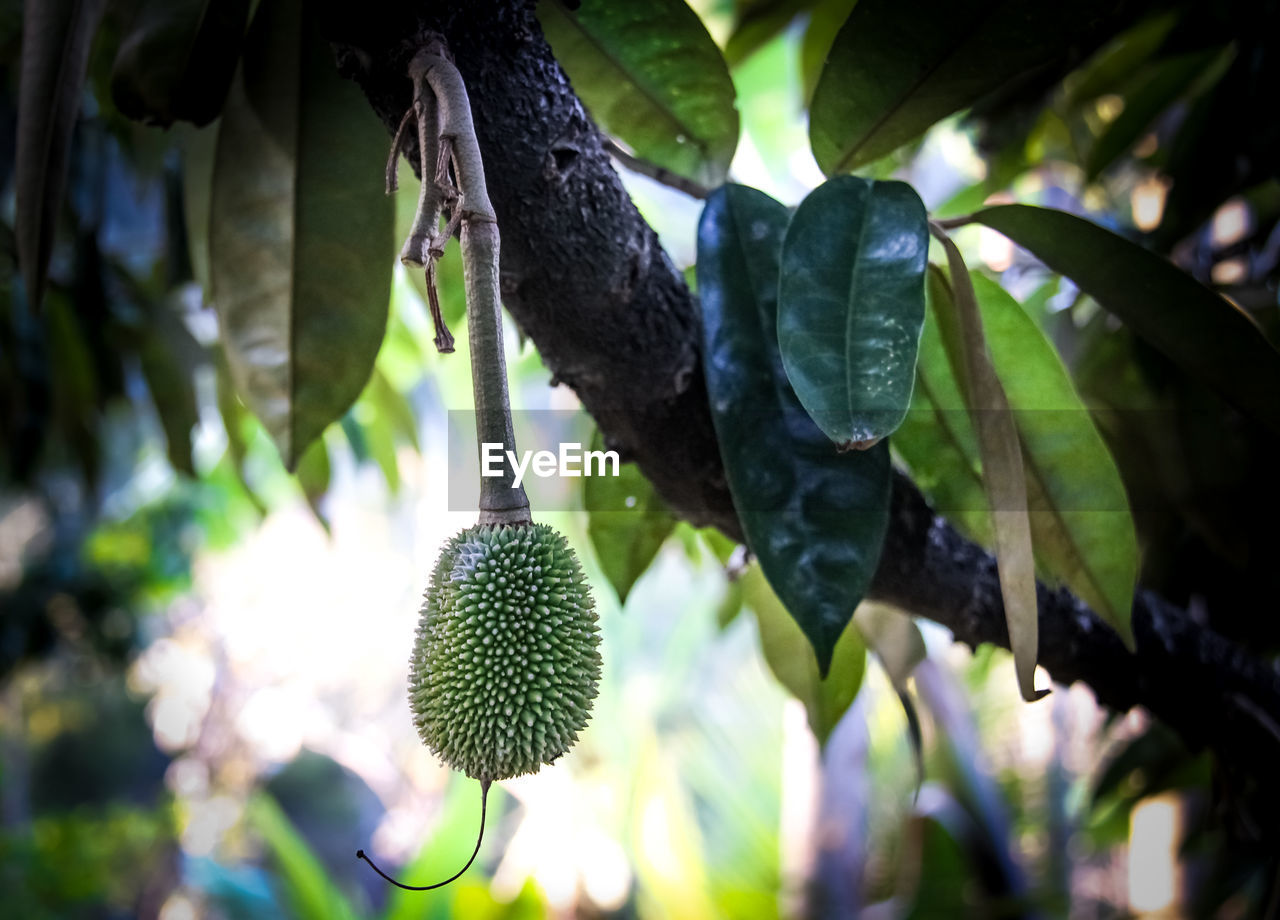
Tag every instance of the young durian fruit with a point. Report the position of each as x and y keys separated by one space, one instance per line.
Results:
x=507 y=658
x=506 y=661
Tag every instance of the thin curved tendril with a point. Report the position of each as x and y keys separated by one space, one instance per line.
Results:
x=484 y=805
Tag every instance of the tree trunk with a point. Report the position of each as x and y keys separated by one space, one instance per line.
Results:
x=584 y=276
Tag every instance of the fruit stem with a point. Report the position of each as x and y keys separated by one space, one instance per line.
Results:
x=501 y=500
x=484 y=807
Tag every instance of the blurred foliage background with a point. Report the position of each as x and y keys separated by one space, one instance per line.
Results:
x=202 y=656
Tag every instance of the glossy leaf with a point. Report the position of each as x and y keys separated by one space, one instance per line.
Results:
x=1203 y=333
x=56 y=36
x=650 y=74
x=177 y=58
x=627 y=523
x=814 y=517
x=1002 y=478
x=851 y=304
x=789 y=655
x=898 y=66
x=301 y=233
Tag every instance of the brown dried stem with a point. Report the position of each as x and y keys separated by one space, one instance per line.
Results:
x=501 y=500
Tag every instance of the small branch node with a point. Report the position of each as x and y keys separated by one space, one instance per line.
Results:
x=397 y=146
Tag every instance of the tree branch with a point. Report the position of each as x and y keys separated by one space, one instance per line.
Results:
x=585 y=278
x=655 y=172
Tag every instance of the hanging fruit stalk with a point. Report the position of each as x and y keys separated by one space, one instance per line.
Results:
x=506 y=661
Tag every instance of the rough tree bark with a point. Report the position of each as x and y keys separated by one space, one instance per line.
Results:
x=585 y=278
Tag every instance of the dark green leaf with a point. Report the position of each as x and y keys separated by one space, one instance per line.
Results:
x=301 y=232
x=75 y=388
x=24 y=370
x=945 y=841
x=650 y=74
x=313 y=475
x=1207 y=336
x=1167 y=81
x=898 y=66
x=234 y=418
x=814 y=517
x=168 y=356
x=851 y=303
x=757 y=22
x=177 y=58
x=790 y=656
x=56 y=35
x=1152 y=755
x=824 y=23
x=1118 y=60
x=198 y=150
x=983 y=821
x=627 y=523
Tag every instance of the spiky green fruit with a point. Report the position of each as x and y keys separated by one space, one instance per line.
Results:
x=507 y=658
